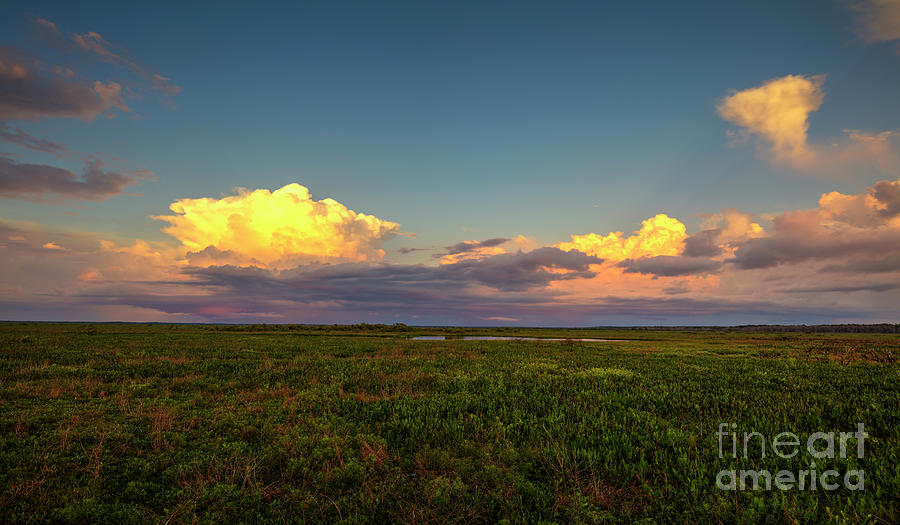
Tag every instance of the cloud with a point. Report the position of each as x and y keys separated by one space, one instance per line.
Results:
x=505 y=272
x=670 y=265
x=405 y=250
x=94 y=45
x=278 y=229
x=29 y=93
x=850 y=288
x=434 y=292
x=778 y=113
x=524 y=270
x=469 y=246
x=32 y=90
x=879 y=205
x=212 y=256
x=96 y=278
x=282 y=256
x=800 y=236
x=42 y=183
x=353 y=291
x=722 y=231
x=877 y=20
x=23 y=139
x=659 y=235
x=867 y=264
x=472 y=250
x=886 y=197
x=703 y=243
x=866 y=226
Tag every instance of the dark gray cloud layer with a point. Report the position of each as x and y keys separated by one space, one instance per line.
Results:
x=670 y=265
x=887 y=193
x=239 y=294
x=802 y=236
x=40 y=182
x=506 y=272
x=887 y=263
x=471 y=246
x=703 y=244
x=786 y=249
x=846 y=288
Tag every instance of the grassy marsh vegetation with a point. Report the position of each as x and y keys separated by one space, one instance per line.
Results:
x=176 y=424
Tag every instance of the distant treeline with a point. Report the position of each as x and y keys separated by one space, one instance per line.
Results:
x=263 y=327
x=883 y=328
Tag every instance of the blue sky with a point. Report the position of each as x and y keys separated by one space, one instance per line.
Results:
x=463 y=120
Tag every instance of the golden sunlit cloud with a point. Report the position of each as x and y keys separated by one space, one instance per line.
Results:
x=659 y=235
x=277 y=229
x=778 y=113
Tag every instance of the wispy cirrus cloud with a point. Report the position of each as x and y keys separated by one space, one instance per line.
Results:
x=94 y=45
x=24 y=139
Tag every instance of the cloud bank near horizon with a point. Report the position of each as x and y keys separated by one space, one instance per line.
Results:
x=282 y=256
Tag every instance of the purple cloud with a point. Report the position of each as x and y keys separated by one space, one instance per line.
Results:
x=40 y=182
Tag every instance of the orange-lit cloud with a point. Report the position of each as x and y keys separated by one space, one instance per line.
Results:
x=277 y=229
x=878 y=20
x=659 y=235
x=778 y=113
x=862 y=231
x=477 y=250
x=721 y=232
x=880 y=205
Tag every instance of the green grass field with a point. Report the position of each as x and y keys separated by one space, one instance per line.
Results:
x=176 y=424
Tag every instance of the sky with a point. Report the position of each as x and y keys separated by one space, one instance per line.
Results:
x=464 y=163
